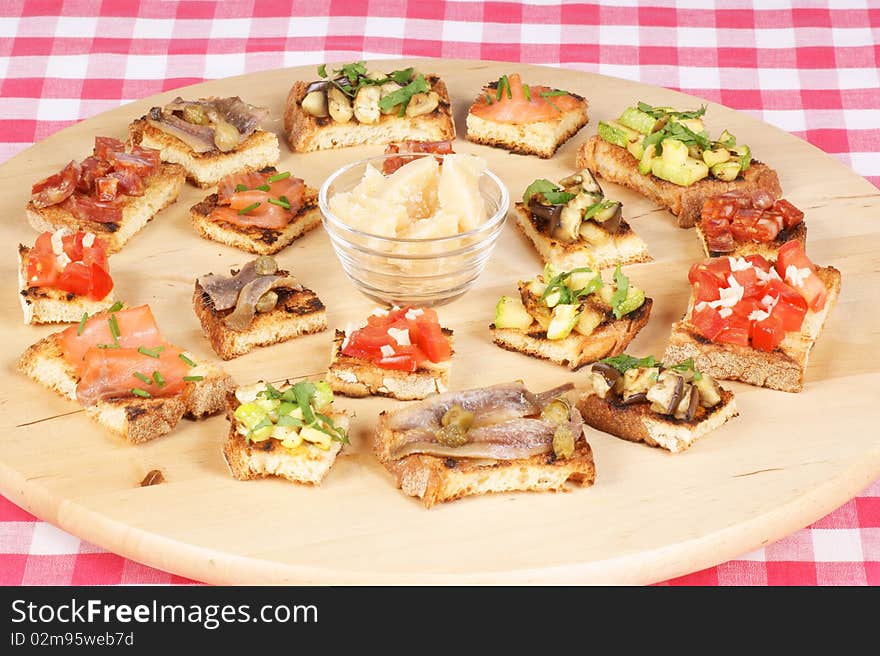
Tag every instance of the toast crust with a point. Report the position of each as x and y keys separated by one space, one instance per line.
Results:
x=542 y=138
x=435 y=480
x=134 y=419
x=358 y=378
x=297 y=313
x=306 y=133
x=782 y=369
x=638 y=423
x=624 y=247
x=618 y=165
x=49 y=305
x=252 y=239
x=160 y=191
x=259 y=150
x=574 y=351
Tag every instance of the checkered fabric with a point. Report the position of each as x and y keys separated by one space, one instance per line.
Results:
x=806 y=67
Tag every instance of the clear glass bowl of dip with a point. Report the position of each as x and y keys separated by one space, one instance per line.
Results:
x=404 y=271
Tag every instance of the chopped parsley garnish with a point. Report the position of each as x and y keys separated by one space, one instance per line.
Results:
x=623 y=362
x=404 y=95
x=621 y=283
x=302 y=395
x=597 y=207
x=550 y=192
x=687 y=365
x=660 y=112
x=561 y=284
x=322 y=70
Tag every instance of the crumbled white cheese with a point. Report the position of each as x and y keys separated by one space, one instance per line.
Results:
x=412 y=315
x=88 y=240
x=732 y=281
x=758 y=315
x=347 y=376
x=702 y=305
x=728 y=297
x=725 y=312
x=62 y=260
x=57 y=244
x=379 y=312
x=739 y=264
x=768 y=301
x=386 y=350
x=795 y=276
x=400 y=335
x=767 y=276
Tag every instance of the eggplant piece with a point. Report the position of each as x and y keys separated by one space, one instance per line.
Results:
x=710 y=391
x=549 y=213
x=610 y=218
x=638 y=380
x=589 y=183
x=667 y=393
x=319 y=85
x=687 y=406
x=603 y=378
x=632 y=399
x=567 y=227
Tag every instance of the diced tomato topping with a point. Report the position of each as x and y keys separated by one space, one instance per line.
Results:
x=708 y=322
x=788 y=305
x=381 y=333
x=85 y=275
x=767 y=333
x=735 y=331
x=705 y=285
x=806 y=281
x=748 y=279
x=758 y=261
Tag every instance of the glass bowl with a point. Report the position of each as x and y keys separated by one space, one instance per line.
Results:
x=401 y=271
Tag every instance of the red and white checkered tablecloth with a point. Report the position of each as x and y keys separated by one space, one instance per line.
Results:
x=810 y=68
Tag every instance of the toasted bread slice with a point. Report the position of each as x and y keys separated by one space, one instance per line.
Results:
x=306 y=133
x=618 y=165
x=160 y=190
x=576 y=350
x=297 y=313
x=48 y=305
x=767 y=249
x=542 y=138
x=262 y=241
x=133 y=418
x=782 y=369
x=624 y=247
x=259 y=150
x=247 y=460
x=358 y=378
x=434 y=479
x=638 y=423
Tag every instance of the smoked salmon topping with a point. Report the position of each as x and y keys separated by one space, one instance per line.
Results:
x=510 y=101
x=91 y=190
x=264 y=199
x=113 y=373
x=134 y=327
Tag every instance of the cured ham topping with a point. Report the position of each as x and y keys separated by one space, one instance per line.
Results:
x=92 y=189
x=265 y=199
x=738 y=216
x=391 y=164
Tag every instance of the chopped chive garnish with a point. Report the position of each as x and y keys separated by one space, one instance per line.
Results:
x=249 y=208
x=527 y=92
x=105 y=346
x=262 y=187
x=158 y=379
x=114 y=326
x=241 y=187
x=278 y=176
x=82 y=324
x=183 y=357
x=280 y=203
x=116 y=307
x=193 y=379
x=153 y=353
x=144 y=379
x=489 y=99
x=137 y=391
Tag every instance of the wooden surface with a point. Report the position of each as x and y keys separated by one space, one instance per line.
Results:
x=786 y=461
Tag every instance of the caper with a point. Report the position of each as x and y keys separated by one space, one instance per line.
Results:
x=458 y=416
x=265 y=265
x=195 y=114
x=267 y=302
x=226 y=137
x=452 y=435
x=557 y=411
x=563 y=441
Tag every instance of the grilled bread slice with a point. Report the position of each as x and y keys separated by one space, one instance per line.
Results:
x=623 y=247
x=306 y=133
x=296 y=313
x=542 y=138
x=782 y=369
x=575 y=350
x=160 y=190
x=248 y=460
x=48 y=305
x=767 y=249
x=618 y=165
x=259 y=150
x=135 y=419
x=638 y=423
x=253 y=239
x=434 y=479
x=358 y=378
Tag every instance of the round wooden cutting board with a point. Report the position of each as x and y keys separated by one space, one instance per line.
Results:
x=785 y=461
